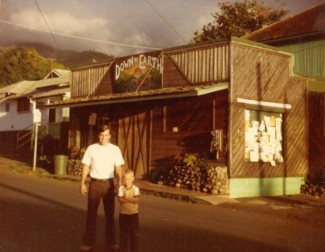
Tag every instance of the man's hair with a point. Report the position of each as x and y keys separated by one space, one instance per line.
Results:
x=103 y=128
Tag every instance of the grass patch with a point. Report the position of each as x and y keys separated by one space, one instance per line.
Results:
x=25 y=169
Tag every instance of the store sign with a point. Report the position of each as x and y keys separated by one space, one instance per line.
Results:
x=138 y=72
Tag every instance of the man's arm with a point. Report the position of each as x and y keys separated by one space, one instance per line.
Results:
x=118 y=176
x=84 y=174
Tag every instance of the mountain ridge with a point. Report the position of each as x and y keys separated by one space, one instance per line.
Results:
x=68 y=58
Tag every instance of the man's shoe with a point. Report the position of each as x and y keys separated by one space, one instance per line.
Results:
x=85 y=247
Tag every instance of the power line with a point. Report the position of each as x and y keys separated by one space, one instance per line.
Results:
x=78 y=37
x=165 y=20
x=48 y=26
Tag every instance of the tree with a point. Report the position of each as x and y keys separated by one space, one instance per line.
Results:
x=21 y=63
x=238 y=19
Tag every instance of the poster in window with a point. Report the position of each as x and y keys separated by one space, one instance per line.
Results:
x=263 y=137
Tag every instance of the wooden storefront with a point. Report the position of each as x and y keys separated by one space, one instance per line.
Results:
x=201 y=89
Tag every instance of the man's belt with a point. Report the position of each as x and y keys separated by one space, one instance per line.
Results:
x=101 y=180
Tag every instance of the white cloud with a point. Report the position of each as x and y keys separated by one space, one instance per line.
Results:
x=137 y=38
x=63 y=22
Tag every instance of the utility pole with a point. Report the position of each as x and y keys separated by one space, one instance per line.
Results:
x=37 y=117
x=35 y=145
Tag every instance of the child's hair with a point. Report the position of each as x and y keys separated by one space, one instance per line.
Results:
x=129 y=171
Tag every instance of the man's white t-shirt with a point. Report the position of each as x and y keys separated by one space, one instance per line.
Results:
x=102 y=160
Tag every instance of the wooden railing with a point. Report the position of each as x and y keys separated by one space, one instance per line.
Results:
x=24 y=137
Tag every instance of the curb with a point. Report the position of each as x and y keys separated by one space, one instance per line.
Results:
x=145 y=191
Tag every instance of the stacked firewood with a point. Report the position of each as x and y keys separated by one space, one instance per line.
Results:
x=74 y=167
x=74 y=162
x=192 y=173
x=317 y=190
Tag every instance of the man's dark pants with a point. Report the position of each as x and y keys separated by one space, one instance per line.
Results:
x=100 y=190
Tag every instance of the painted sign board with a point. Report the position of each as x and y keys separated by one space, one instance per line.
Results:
x=138 y=72
x=37 y=116
x=92 y=119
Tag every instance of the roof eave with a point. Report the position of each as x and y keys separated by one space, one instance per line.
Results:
x=94 y=102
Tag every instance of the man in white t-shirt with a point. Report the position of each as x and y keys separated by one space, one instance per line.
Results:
x=101 y=161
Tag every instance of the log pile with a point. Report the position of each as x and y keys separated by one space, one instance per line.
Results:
x=74 y=167
x=74 y=162
x=317 y=190
x=189 y=172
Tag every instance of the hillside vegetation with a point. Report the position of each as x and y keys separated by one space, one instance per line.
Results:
x=21 y=63
x=35 y=61
x=69 y=58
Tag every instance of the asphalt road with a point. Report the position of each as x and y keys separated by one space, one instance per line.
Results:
x=38 y=214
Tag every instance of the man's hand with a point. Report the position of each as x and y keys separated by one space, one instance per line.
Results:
x=83 y=189
x=84 y=174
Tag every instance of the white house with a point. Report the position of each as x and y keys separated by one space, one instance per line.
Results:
x=21 y=105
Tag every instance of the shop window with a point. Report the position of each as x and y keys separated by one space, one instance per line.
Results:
x=23 y=105
x=188 y=117
x=263 y=137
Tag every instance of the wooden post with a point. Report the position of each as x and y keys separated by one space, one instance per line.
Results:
x=35 y=145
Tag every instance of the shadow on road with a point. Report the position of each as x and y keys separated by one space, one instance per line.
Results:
x=30 y=222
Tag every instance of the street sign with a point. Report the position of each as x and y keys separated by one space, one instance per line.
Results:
x=37 y=116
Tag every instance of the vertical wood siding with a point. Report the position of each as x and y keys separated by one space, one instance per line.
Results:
x=86 y=81
x=309 y=57
x=263 y=75
x=317 y=134
x=133 y=139
x=203 y=65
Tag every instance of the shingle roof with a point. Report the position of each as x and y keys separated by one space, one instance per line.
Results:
x=309 y=22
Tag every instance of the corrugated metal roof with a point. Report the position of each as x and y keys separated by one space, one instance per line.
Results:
x=309 y=22
x=30 y=88
x=50 y=93
x=156 y=94
x=57 y=73
x=18 y=88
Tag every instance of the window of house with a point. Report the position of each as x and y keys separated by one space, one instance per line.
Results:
x=7 y=107
x=263 y=136
x=52 y=115
x=23 y=105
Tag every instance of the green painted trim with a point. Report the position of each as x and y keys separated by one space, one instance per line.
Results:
x=255 y=187
x=316 y=86
x=260 y=45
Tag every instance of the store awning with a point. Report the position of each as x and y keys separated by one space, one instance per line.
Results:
x=148 y=95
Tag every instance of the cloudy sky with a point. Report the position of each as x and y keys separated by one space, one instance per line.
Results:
x=116 y=27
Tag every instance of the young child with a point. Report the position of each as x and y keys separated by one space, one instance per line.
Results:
x=128 y=196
